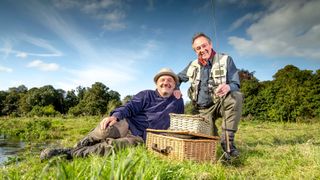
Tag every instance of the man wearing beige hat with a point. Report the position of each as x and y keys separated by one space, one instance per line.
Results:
x=126 y=125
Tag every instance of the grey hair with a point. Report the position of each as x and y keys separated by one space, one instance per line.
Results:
x=200 y=34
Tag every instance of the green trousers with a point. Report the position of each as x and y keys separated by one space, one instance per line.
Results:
x=228 y=107
x=102 y=142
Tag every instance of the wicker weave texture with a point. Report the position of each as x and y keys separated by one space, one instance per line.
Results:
x=200 y=150
x=192 y=123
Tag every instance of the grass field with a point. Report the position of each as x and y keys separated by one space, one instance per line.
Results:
x=269 y=150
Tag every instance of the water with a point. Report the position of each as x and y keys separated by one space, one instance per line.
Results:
x=9 y=147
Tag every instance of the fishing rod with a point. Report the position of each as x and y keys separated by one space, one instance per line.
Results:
x=221 y=98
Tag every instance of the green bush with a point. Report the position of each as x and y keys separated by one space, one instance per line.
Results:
x=39 y=111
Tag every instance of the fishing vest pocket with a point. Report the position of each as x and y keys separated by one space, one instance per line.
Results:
x=219 y=71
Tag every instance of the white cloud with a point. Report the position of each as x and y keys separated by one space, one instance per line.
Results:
x=289 y=29
x=5 y=69
x=22 y=54
x=44 y=45
x=250 y=17
x=43 y=66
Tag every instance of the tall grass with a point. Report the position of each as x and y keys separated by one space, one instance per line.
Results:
x=268 y=151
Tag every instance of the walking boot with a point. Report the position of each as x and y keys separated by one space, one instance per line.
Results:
x=233 y=149
x=49 y=153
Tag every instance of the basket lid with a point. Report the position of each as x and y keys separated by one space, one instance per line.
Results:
x=183 y=133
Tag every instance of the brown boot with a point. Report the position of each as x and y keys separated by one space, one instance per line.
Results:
x=49 y=153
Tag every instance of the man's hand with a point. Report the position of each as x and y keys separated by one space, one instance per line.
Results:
x=108 y=121
x=177 y=94
x=222 y=90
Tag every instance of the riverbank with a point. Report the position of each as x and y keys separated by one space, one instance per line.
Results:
x=9 y=147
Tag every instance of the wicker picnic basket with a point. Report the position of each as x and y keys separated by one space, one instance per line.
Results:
x=200 y=149
x=190 y=123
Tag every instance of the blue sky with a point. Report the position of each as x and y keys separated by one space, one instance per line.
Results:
x=123 y=43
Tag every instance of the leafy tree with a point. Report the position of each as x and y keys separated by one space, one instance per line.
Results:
x=59 y=103
x=81 y=91
x=30 y=99
x=126 y=99
x=3 y=96
x=114 y=95
x=245 y=75
x=76 y=111
x=95 y=100
x=11 y=101
x=42 y=97
x=19 y=89
x=292 y=95
x=70 y=100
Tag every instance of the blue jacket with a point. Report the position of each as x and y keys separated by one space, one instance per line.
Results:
x=148 y=109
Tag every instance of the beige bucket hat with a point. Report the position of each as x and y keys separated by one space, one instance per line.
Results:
x=166 y=71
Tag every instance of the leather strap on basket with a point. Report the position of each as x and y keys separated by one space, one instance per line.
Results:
x=164 y=151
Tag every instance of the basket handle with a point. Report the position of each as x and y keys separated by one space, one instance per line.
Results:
x=164 y=151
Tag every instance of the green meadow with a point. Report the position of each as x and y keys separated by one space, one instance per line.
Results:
x=269 y=150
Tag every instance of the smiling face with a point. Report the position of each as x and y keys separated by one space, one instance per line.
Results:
x=165 y=85
x=203 y=47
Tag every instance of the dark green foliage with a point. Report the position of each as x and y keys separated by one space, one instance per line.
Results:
x=42 y=97
x=292 y=95
x=70 y=100
x=43 y=111
x=34 y=129
x=96 y=101
x=48 y=101
x=3 y=96
x=11 y=102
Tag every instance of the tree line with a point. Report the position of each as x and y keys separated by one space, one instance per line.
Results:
x=293 y=94
x=48 y=101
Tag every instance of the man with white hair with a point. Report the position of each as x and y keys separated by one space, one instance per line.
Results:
x=214 y=90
